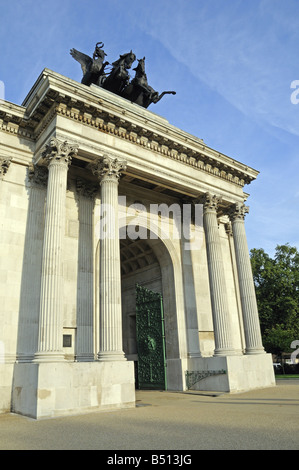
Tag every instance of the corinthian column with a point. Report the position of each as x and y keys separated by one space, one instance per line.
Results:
x=253 y=338
x=108 y=171
x=219 y=301
x=58 y=155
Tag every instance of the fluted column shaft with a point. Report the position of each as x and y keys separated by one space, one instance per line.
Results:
x=252 y=331
x=58 y=155
x=84 y=346
x=110 y=334
x=219 y=300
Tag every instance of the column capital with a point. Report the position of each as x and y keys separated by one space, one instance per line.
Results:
x=86 y=189
x=107 y=166
x=209 y=201
x=38 y=175
x=59 y=151
x=4 y=165
x=237 y=211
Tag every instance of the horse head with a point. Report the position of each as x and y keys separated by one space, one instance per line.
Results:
x=141 y=66
x=129 y=58
x=125 y=60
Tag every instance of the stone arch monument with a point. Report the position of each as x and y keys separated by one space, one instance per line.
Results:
x=100 y=195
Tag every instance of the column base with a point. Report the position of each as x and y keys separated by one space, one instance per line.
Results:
x=48 y=357
x=227 y=352
x=85 y=358
x=254 y=351
x=111 y=356
x=25 y=358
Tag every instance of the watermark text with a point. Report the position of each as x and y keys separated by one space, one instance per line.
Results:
x=295 y=94
x=2 y=90
x=167 y=222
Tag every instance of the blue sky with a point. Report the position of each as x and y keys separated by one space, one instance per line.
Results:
x=231 y=63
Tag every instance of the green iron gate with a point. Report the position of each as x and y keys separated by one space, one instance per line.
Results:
x=150 y=340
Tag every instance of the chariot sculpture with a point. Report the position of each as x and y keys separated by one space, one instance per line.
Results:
x=117 y=80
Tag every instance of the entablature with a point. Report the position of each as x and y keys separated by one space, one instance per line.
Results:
x=141 y=133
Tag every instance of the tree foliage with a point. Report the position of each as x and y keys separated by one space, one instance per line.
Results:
x=277 y=289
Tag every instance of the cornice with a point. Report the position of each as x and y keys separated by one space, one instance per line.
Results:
x=212 y=162
x=55 y=95
x=13 y=120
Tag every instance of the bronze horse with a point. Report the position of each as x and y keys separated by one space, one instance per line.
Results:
x=139 y=91
x=119 y=77
x=118 y=80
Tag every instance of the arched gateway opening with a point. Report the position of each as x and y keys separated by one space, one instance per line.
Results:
x=149 y=311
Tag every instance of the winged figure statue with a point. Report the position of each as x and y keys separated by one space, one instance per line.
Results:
x=93 y=68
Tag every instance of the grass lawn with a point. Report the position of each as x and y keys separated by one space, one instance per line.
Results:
x=287 y=376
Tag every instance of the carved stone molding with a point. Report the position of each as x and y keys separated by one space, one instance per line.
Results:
x=4 y=165
x=98 y=112
x=228 y=229
x=238 y=211
x=107 y=166
x=164 y=146
x=59 y=151
x=107 y=123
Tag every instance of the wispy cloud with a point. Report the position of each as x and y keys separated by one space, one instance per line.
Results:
x=247 y=51
x=231 y=62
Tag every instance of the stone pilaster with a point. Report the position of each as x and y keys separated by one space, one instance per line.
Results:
x=219 y=300
x=30 y=292
x=58 y=156
x=251 y=322
x=85 y=299
x=108 y=171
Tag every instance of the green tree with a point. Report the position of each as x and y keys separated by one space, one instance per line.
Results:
x=277 y=340
x=277 y=290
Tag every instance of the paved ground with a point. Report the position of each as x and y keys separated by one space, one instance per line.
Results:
x=263 y=419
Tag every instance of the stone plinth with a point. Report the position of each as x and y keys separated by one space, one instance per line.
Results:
x=242 y=373
x=43 y=390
